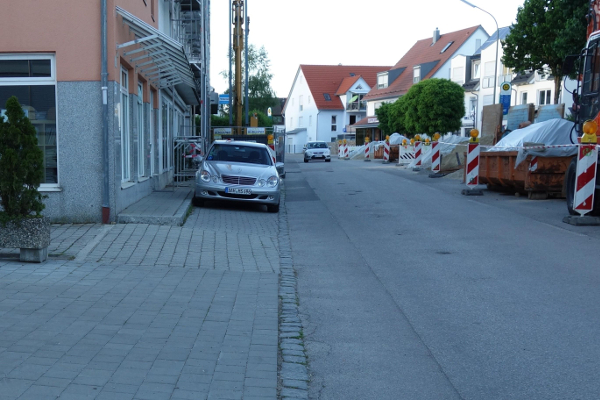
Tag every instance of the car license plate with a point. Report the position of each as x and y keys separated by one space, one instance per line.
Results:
x=237 y=191
x=319 y=152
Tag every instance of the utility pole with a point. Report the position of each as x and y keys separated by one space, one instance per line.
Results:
x=238 y=46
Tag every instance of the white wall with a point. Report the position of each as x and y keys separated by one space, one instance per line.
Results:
x=324 y=120
x=305 y=118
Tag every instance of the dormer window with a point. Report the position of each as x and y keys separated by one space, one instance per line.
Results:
x=446 y=47
x=327 y=96
x=382 y=80
x=417 y=74
x=476 y=71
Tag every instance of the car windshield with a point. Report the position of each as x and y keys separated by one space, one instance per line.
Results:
x=239 y=153
x=320 y=145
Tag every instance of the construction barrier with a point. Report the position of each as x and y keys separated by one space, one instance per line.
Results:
x=473 y=150
x=346 y=150
x=418 y=152
x=435 y=157
x=340 y=149
x=585 y=181
x=533 y=164
x=407 y=154
x=386 y=150
x=367 y=150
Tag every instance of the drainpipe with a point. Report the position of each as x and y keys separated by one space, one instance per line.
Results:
x=104 y=84
x=247 y=21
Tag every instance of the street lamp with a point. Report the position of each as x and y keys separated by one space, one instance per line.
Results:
x=497 y=40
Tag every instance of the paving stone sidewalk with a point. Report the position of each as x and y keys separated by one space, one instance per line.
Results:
x=144 y=311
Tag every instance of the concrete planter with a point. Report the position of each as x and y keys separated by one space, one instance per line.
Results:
x=31 y=236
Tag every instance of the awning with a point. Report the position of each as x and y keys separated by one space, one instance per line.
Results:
x=161 y=59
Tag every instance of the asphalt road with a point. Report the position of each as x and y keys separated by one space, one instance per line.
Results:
x=410 y=290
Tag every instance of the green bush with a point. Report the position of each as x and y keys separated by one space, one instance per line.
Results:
x=21 y=165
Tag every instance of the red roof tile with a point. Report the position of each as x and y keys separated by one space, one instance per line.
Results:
x=328 y=79
x=422 y=52
x=347 y=84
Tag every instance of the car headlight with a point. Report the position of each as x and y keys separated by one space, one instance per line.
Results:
x=205 y=176
x=260 y=183
x=273 y=181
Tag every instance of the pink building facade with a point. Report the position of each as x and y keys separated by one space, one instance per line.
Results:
x=106 y=143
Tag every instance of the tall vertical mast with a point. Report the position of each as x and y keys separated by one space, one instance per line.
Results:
x=238 y=46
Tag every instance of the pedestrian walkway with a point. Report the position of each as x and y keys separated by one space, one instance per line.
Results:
x=164 y=207
x=146 y=310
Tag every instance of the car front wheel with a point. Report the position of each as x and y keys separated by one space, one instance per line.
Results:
x=197 y=201
x=306 y=160
x=273 y=208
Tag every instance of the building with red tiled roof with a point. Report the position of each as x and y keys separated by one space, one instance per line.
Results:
x=428 y=58
x=325 y=100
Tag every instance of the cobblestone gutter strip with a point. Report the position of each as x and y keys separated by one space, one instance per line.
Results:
x=293 y=370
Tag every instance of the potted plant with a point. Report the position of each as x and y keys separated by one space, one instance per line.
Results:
x=21 y=172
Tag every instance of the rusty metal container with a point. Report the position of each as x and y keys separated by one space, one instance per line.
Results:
x=497 y=170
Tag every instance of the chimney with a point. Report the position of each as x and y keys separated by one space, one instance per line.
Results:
x=436 y=35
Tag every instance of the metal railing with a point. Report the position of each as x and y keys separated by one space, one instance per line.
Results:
x=186 y=151
x=357 y=106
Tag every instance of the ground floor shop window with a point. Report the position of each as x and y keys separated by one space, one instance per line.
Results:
x=32 y=79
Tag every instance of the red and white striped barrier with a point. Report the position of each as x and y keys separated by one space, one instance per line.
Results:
x=346 y=152
x=435 y=157
x=472 y=178
x=585 y=181
x=418 y=152
x=533 y=164
x=340 y=149
x=386 y=152
x=367 y=151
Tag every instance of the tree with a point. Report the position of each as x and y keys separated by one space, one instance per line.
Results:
x=430 y=106
x=383 y=115
x=260 y=94
x=21 y=163
x=263 y=119
x=546 y=32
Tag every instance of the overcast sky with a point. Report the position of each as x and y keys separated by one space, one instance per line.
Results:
x=350 y=32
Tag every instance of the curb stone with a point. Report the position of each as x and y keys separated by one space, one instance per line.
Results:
x=293 y=378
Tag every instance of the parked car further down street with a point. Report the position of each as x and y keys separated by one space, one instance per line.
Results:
x=317 y=151
x=238 y=171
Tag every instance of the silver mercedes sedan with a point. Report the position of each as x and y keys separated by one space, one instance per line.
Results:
x=238 y=171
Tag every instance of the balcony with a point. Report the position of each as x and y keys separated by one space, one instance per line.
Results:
x=357 y=106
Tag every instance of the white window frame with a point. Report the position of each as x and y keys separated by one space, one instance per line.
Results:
x=382 y=80
x=476 y=71
x=300 y=103
x=152 y=132
x=523 y=97
x=141 y=132
x=334 y=123
x=42 y=81
x=417 y=74
x=310 y=120
x=124 y=126
x=547 y=95
x=300 y=122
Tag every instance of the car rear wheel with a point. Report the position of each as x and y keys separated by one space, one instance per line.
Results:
x=273 y=208
x=306 y=160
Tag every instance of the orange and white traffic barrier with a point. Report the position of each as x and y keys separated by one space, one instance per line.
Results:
x=435 y=154
x=367 y=149
x=386 y=150
x=473 y=150
x=340 y=149
x=587 y=161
